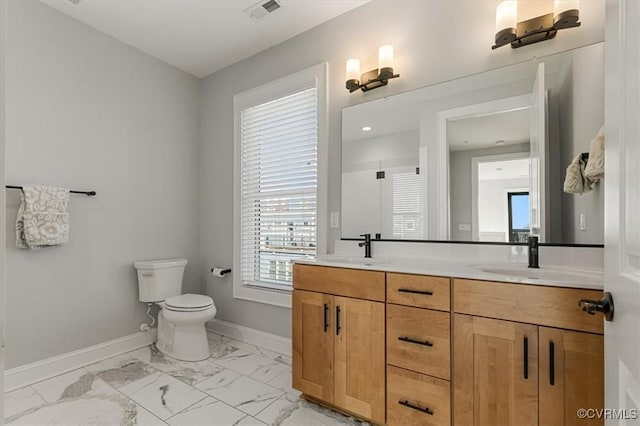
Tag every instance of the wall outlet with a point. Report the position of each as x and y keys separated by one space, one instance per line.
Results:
x=335 y=220
x=583 y=222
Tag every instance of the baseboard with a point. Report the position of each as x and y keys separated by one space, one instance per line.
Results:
x=37 y=371
x=250 y=335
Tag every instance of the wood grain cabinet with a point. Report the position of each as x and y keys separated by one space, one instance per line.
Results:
x=338 y=341
x=418 y=350
x=407 y=349
x=511 y=373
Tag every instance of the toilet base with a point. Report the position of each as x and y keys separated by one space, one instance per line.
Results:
x=184 y=342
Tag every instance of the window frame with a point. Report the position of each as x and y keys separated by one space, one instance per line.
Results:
x=317 y=75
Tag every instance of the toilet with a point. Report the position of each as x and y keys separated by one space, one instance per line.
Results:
x=181 y=331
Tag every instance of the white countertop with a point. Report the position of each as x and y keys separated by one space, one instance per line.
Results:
x=556 y=276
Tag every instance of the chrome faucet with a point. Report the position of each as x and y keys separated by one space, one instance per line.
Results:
x=366 y=244
x=533 y=252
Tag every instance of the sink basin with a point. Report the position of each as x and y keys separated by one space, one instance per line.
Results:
x=545 y=274
x=355 y=260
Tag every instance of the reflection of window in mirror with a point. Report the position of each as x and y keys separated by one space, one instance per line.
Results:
x=494 y=178
x=519 y=219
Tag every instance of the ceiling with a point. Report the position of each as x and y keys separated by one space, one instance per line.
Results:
x=504 y=170
x=201 y=36
x=509 y=128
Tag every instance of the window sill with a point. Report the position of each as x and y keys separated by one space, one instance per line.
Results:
x=265 y=295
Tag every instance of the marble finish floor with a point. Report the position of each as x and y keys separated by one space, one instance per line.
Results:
x=240 y=384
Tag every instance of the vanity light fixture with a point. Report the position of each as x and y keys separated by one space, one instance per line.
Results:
x=566 y=14
x=371 y=79
x=366 y=129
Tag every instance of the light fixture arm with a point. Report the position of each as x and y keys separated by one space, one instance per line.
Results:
x=371 y=80
x=534 y=30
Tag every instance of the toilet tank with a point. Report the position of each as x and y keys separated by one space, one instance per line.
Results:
x=159 y=279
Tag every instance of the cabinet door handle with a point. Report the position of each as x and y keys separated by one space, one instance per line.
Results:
x=425 y=410
x=337 y=320
x=417 y=342
x=408 y=290
x=526 y=358
x=326 y=317
x=552 y=364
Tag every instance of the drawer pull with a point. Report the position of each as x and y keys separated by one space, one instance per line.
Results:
x=326 y=319
x=425 y=410
x=408 y=290
x=552 y=364
x=526 y=358
x=417 y=342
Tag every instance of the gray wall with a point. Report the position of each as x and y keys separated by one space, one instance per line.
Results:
x=460 y=184
x=86 y=111
x=581 y=113
x=416 y=30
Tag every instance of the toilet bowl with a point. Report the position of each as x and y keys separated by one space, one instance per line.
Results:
x=181 y=319
x=181 y=331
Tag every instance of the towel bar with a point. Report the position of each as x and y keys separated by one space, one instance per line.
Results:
x=89 y=193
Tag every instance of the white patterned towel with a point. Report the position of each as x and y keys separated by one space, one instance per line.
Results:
x=595 y=165
x=42 y=217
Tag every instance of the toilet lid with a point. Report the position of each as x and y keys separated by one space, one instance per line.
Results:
x=188 y=301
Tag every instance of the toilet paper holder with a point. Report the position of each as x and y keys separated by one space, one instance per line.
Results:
x=220 y=272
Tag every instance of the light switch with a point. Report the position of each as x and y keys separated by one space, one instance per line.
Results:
x=335 y=220
x=583 y=222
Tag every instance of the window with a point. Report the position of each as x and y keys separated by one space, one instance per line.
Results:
x=279 y=132
x=518 y=204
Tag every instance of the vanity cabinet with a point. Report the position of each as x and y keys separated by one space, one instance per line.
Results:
x=418 y=350
x=338 y=338
x=571 y=376
x=409 y=349
x=507 y=372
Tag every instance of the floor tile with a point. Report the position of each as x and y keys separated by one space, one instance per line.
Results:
x=185 y=371
x=144 y=418
x=207 y=412
x=80 y=400
x=249 y=421
x=65 y=385
x=249 y=364
x=310 y=414
x=281 y=408
x=21 y=400
x=162 y=394
x=283 y=381
x=239 y=391
x=248 y=347
x=121 y=370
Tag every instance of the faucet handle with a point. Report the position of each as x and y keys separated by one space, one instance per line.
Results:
x=366 y=236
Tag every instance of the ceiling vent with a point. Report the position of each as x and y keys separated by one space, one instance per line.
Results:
x=262 y=9
x=76 y=2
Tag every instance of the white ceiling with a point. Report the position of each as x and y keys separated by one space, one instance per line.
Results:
x=510 y=127
x=201 y=36
x=503 y=170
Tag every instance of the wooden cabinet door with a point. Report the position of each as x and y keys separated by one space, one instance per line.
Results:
x=495 y=372
x=571 y=376
x=359 y=357
x=313 y=344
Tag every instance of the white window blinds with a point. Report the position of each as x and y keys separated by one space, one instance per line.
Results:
x=279 y=182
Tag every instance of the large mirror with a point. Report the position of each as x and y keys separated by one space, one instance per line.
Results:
x=482 y=158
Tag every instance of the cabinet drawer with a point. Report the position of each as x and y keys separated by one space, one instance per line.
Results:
x=416 y=399
x=419 y=340
x=418 y=290
x=356 y=283
x=533 y=304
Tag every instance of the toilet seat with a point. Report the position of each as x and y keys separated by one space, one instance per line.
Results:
x=188 y=303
